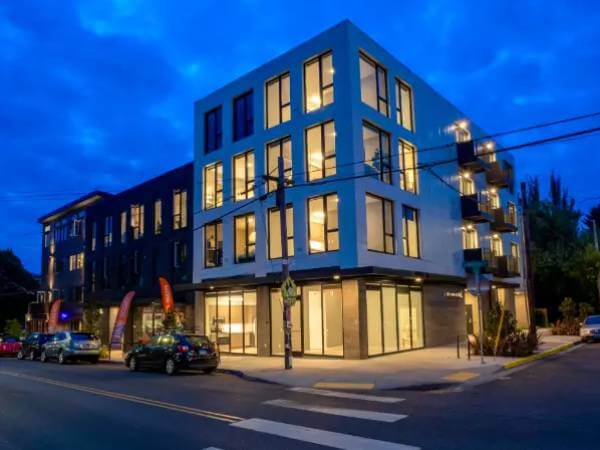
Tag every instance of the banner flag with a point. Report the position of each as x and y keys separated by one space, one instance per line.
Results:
x=121 y=321
x=53 y=319
x=167 y=294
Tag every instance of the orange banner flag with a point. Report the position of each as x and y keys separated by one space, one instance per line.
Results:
x=167 y=294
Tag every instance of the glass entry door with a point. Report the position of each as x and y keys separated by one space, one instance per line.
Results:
x=277 y=347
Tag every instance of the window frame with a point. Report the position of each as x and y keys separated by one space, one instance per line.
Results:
x=406 y=237
x=280 y=108
x=273 y=171
x=378 y=67
x=108 y=231
x=218 y=134
x=218 y=232
x=158 y=219
x=180 y=218
x=213 y=166
x=248 y=193
x=290 y=232
x=137 y=215
x=322 y=87
x=399 y=119
x=385 y=204
x=246 y=258
x=403 y=144
x=324 y=157
x=247 y=126
x=326 y=229
x=380 y=173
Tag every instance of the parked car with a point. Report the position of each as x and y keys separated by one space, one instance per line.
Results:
x=9 y=345
x=32 y=345
x=174 y=351
x=71 y=345
x=590 y=329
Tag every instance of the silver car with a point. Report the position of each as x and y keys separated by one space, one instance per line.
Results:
x=71 y=345
x=590 y=329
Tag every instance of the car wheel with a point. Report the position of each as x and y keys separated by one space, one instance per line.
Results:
x=20 y=354
x=133 y=364
x=32 y=355
x=61 y=358
x=43 y=356
x=170 y=366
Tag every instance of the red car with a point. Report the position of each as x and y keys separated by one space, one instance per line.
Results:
x=9 y=346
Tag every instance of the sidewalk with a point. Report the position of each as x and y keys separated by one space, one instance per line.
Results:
x=437 y=366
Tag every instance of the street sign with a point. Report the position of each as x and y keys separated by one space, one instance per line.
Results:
x=289 y=291
x=485 y=284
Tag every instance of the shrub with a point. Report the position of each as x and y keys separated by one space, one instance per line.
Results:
x=568 y=308
x=585 y=309
x=567 y=327
x=13 y=328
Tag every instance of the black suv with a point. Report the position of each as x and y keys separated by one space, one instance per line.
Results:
x=174 y=351
x=32 y=345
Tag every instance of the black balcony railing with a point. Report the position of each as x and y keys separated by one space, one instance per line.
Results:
x=507 y=266
x=500 y=174
x=504 y=220
x=471 y=157
x=476 y=208
x=482 y=255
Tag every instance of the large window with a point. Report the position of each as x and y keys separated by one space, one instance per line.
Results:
x=213 y=130
x=108 y=231
x=275 y=149
x=277 y=347
x=231 y=321
x=404 y=105
x=496 y=245
x=76 y=261
x=322 y=320
x=514 y=251
x=409 y=175
x=157 y=216
x=376 y=144
x=320 y=151
x=179 y=209
x=213 y=244
x=275 y=232
x=410 y=232
x=373 y=84
x=278 y=100
x=394 y=318
x=213 y=185
x=494 y=198
x=380 y=224
x=470 y=236
x=467 y=184
x=245 y=238
x=323 y=230
x=243 y=176
x=318 y=82
x=136 y=221
x=243 y=116
x=123 y=227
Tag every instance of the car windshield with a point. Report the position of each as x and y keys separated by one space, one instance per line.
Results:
x=83 y=337
x=592 y=320
x=197 y=340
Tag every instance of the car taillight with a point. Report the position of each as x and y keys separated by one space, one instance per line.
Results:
x=182 y=348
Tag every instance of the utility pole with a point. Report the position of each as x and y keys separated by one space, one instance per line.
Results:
x=527 y=258
x=595 y=231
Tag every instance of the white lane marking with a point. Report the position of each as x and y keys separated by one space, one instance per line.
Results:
x=212 y=448
x=326 y=393
x=345 y=412
x=316 y=436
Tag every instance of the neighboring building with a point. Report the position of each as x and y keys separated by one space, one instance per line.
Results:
x=376 y=246
x=101 y=246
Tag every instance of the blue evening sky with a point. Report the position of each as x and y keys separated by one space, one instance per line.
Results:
x=98 y=94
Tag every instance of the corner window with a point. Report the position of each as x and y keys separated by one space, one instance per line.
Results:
x=245 y=238
x=213 y=244
x=373 y=84
x=318 y=82
x=323 y=230
x=243 y=176
x=275 y=232
x=380 y=224
x=179 y=209
x=275 y=149
x=376 y=144
x=158 y=216
x=410 y=232
x=279 y=108
x=409 y=174
x=243 y=116
x=213 y=185
x=108 y=231
x=213 y=130
x=404 y=105
x=320 y=151
x=136 y=215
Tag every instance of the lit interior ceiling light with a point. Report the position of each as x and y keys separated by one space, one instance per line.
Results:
x=336 y=276
x=462 y=124
x=418 y=279
x=316 y=245
x=489 y=145
x=315 y=100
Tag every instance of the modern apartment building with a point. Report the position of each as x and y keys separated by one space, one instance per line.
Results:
x=391 y=190
x=101 y=246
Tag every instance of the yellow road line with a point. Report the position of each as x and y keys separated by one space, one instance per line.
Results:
x=537 y=356
x=127 y=397
x=461 y=376
x=342 y=385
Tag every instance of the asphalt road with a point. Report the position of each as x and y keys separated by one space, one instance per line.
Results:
x=554 y=404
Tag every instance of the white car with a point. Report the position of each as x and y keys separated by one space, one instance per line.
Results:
x=590 y=329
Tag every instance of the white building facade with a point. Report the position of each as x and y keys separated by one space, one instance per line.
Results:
x=383 y=206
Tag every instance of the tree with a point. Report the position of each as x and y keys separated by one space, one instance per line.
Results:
x=17 y=287
x=594 y=214
x=13 y=328
x=92 y=315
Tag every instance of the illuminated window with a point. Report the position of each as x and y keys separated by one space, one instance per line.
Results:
x=404 y=105
x=275 y=232
x=179 y=209
x=410 y=232
x=320 y=151
x=213 y=130
x=108 y=231
x=376 y=145
x=323 y=230
x=243 y=175
x=94 y=236
x=275 y=149
x=516 y=254
x=409 y=175
x=461 y=131
x=318 y=82
x=136 y=214
x=278 y=100
x=470 y=237
x=496 y=245
x=76 y=262
x=245 y=238
x=47 y=235
x=243 y=116
x=157 y=216
x=213 y=244
x=213 y=185
x=380 y=224
x=467 y=184
x=494 y=199
x=512 y=213
x=123 y=227
x=373 y=84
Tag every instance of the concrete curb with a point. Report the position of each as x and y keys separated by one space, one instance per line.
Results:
x=243 y=376
x=539 y=356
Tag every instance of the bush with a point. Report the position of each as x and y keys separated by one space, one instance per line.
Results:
x=104 y=353
x=567 y=327
x=13 y=328
x=585 y=309
x=568 y=308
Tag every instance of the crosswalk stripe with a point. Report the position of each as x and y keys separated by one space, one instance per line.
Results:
x=316 y=436
x=345 y=412
x=348 y=395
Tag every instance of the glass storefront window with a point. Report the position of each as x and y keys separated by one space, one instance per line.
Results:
x=277 y=324
x=332 y=321
x=374 y=322
x=313 y=320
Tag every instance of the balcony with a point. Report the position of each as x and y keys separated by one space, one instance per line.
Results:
x=481 y=255
x=507 y=266
x=476 y=208
x=472 y=158
x=504 y=221
x=500 y=174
